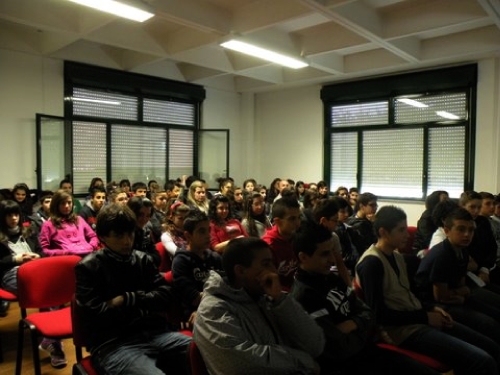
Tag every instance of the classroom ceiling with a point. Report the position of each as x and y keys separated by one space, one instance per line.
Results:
x=340 y=39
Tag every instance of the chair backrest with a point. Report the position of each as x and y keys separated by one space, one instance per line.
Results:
x=46 y=282
x=166 y=261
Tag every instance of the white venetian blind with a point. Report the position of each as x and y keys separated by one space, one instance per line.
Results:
x=360 y=114
x=166 y=112
x=344 y=159
x=181 y=153
x=102 y=104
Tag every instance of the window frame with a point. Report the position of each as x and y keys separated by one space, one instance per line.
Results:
x=432 y=82
x=143 y=88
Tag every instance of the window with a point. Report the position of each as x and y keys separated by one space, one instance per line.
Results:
x=402 y=136
x=129 y=126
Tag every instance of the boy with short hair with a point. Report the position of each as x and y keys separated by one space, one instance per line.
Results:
x=191 y=266
x=92 y=207
x=362 y=222
x=346 y=321
x=123 y=299
x=139 y=189
x=382 y=275
x=160 y=200
x=173 y=189
x=286 y=220
x=247 y=325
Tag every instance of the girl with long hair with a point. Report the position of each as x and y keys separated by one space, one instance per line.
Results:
x=66 y=233
x=223 y=227
x=197 y=197
x=173 y=236
x=255 y=220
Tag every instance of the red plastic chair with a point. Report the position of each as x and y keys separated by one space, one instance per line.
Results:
x=411 y=238
x=196 y=362
x=43 y=284
x=83 y=366
x=5 y=296
x=166 y=260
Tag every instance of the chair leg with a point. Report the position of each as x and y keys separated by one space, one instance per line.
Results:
x=20 y=346
x=34 y=348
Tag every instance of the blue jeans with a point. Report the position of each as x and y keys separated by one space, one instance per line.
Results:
x=152 y=353
x=465 y=350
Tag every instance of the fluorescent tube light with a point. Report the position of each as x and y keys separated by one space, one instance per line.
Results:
x=100 y=101
x=125 y=10
x=447 y=115
x=413 y=103
x=264 y=54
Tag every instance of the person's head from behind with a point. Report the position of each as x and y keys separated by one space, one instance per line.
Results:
x=249 y=185
x=96 y=182
x=441 y=212
x=459 y=227
x=10 y=216
x=197 y=231
x=472 y=202
x=119 y=195
x=61 y=205
x=115 y=228
x=66 y=185
x=97 y=197
x=176 y=215
x=311 y=197
x=391 y=227
x=367 y=205
x=487 y=204
x=343 y=206
x=246 y=262
x=286 y=216
x=125 y=185
x=20 y=192
x=218 y=209
x=313 y=246
x=325 y=213
x=434 y=198
x=142 y=208
x=140 y=189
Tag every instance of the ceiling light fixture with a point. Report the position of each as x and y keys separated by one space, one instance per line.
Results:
x=413 y=103
x=132 y=10
x=447 y=115
x=264 y=54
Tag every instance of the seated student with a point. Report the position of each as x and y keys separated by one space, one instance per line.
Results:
x=353 y=197
x=160 y=201
x=223 y=227
x=246 y=325
x=496 y=218
x=43 y=213
x=323 y=192
x=483 y=247
x=347 y=322
x=342 y=192
x=96 y=182
x=91 y=209
x=197 y=197
x=439 y=214
x=192 y=264
x=173 y=236
x=488 y=210
x=381 y=273
x=236 y=203
x=66 y=233
x=67 y=186
x=325 y=213
x=119 y=196
x=125 y=185
x=345 y=233
x=311 y=197
x=300 y=189
x=255 y=222
x=441 y=277
x=362 y=222
x=142 y=208
x=21 y=195
x=250 y=185
x=123 y=300
x=173 y=189
x=425 y=225
x=139 y=189
x=153 y=187
x=286 y=220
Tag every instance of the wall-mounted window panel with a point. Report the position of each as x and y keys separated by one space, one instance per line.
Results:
x=362 y=114
x=344 y=159
x=402 y=136
x=393 y=162
x=89 y=154
x=181 y=152
x=96 y=103
x=138 y=153
x=165 y=112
